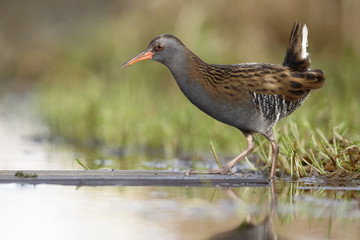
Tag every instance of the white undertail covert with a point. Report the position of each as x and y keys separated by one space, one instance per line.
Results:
x=304 y=43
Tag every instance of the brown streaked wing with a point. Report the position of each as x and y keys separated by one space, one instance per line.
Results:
x=274 y=80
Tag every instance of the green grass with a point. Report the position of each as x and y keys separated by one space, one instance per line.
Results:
x=86 y=99
x=334 y=157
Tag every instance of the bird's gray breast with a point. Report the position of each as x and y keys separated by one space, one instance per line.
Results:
x=242 y=114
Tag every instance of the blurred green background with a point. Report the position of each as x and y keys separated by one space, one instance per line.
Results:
x=68 y=55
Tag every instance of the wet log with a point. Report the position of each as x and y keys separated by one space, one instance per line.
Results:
x=129 y=178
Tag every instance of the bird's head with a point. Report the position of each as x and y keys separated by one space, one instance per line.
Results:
x=164 y=48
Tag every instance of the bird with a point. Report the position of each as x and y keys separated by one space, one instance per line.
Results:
x=251 y=97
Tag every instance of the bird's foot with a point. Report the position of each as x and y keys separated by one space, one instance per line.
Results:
x=272 y=179
x=223 y=171
x=211 y=171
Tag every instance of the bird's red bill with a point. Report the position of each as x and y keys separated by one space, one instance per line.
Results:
x=139 y=57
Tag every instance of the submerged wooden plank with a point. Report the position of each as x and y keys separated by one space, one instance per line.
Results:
x=129 y=178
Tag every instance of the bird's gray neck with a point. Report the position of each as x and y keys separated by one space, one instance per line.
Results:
x=182 y=68
x=178 y=64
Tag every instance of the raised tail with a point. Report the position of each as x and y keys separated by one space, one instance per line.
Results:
x=297 y=56
x=298 y=59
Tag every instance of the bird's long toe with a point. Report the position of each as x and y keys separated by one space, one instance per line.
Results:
x=226 y=170
x=210 y=171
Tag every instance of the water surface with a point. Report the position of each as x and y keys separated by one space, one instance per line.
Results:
x=73 y=212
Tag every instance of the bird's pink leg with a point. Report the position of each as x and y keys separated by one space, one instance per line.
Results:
x=227 y=168
x=274 y=149
x=275 y=153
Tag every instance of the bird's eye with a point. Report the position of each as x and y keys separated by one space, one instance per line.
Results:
x=158 y=47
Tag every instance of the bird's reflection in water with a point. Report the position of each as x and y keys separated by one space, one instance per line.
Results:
x=250 y=231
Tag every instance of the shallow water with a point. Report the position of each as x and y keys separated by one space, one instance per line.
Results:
x=70 y=212
x=307 y=210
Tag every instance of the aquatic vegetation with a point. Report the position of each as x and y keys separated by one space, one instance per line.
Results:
x=22 y=174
